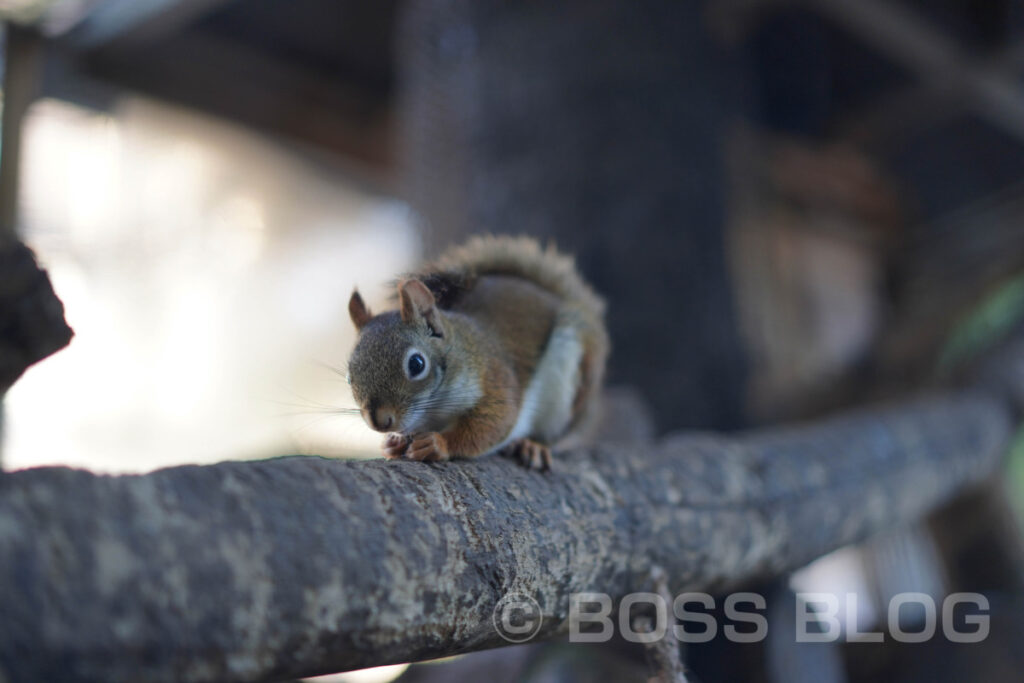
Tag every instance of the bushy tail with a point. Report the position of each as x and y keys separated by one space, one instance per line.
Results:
x=456 y=270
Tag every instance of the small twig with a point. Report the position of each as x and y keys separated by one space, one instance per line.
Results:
x=662 y=654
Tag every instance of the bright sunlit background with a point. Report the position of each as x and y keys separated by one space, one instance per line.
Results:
x=206 y=272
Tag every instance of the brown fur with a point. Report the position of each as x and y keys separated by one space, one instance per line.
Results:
x=483 y=314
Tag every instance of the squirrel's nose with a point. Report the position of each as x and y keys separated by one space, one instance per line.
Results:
x=381 y=419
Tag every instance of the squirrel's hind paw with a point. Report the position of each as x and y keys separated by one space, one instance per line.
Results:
x=530 y=454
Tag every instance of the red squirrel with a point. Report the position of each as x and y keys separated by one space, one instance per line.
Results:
x=497 y=346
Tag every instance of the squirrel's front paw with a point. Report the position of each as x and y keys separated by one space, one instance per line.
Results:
x=395 y=445
x=427 y=447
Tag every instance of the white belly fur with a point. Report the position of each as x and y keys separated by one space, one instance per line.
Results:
x=546 y=409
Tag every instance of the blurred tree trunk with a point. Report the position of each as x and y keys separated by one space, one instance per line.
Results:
x=598 y=124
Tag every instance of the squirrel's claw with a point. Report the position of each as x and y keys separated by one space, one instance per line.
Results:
x=530 y=454
x=429 y=447
x=395 y=446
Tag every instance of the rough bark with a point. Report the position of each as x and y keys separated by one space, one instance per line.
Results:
x=302 y=565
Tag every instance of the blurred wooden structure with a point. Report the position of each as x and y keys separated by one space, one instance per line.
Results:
x=318 y=73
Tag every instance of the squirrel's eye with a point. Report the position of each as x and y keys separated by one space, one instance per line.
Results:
x=416 y=365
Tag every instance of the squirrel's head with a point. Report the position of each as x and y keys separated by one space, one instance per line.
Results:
x=399 y=361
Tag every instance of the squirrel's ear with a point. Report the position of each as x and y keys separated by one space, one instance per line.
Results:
x=358 y=311
x=418 y=302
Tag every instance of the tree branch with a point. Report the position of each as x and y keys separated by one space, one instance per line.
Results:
x=301 y=565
